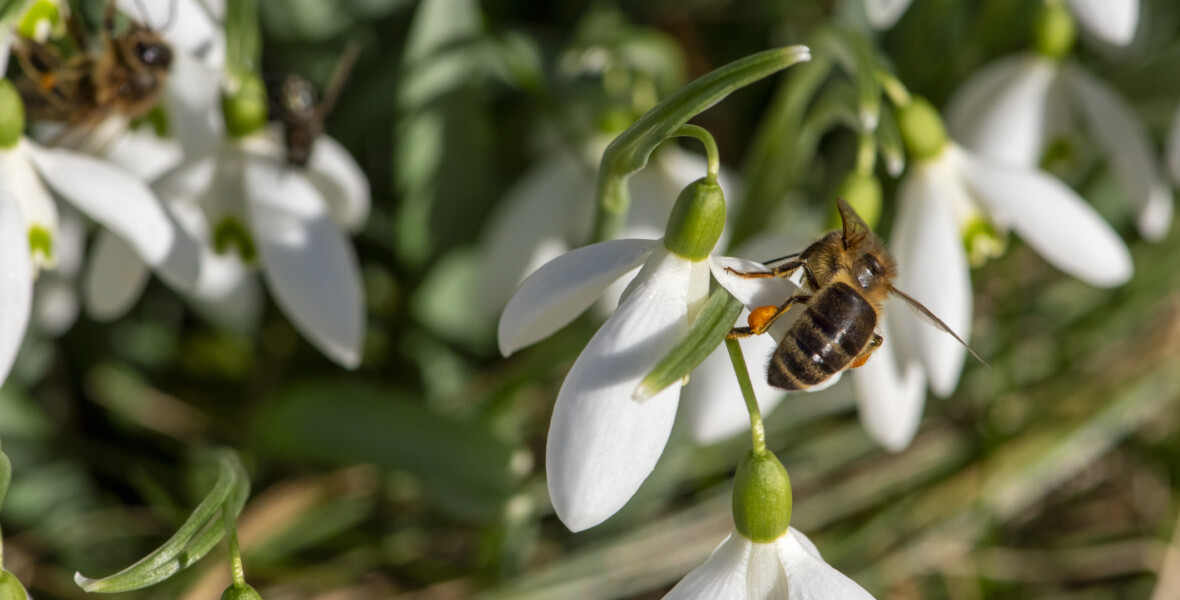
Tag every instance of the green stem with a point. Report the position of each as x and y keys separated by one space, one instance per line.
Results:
x=757 y=430
x=898 y=94
x=866 y=154
x=711 y=154
x=231 y=539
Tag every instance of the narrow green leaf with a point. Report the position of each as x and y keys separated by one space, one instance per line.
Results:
x=708 y=331
x=195 y=538
x=242 y=37
x=854 y=54
x=5 y=476
x=629 y=152
x=890 y=144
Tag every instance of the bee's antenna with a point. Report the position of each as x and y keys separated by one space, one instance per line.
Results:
x=780 y=259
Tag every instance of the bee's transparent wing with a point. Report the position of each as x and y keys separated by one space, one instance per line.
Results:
x=929 y=317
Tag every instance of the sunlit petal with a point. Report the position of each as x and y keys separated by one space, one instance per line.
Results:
x=933 y=269
x=766 y=577
x=144 y=154
x=564 y=287
x=1112 y=21
x=890 y=393
x=308 y=263
x=114 y=279
x=1000 y=112
x=16 y=279
x=341 y=181
x=603 y=443
x=722 y=576
x=1053 y=219
x=1127 y=145
x=24 y=187
x=884 y=13
x=751 y=292
x=808 y=577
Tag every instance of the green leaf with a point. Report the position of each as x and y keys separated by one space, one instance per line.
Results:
x=5 y=476
x=195 y=538
x=890 y=144
x=854 y=54
x=242 y=38
x=628 y=153
x=708 y=331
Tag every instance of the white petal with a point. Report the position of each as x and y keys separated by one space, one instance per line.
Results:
x=111 y=196
x=194 y=105
x=533 y=224
x=1000 y=112
x=766 y=577
x=24 y=187
x=884 y=13
x=890 y=393
x=752 y=293
x=1125 y=142
x=712 y=399
x=1112 y=21
x=307 y=262
x=564 y=287
x=114 y=280
x=1053 y=219
x=809 y=577
x=16 y=279
x=343 y=184
x=933 y=269
x=723 y=576
x=55 y=305
x=144 y=154
x=187 y=181
x=602 y=443
x=238 y=303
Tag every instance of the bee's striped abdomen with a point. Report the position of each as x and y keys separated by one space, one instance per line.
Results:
x=836 y=326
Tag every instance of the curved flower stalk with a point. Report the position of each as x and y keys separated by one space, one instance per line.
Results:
x=950 y=194
x=1112 y=21
x=1011 y=110
x=788 y=567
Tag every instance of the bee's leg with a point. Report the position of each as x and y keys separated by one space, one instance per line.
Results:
x=874 y=343
x=763 y=317
x=783 y=270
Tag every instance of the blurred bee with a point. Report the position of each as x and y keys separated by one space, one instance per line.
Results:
x=847 y=277
x=124 y=77
x=302 y=114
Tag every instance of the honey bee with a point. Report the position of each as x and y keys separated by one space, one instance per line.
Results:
x=124 y=77
x=301 y=114
x=847 y=277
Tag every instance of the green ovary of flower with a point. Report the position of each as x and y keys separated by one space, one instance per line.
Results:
x=10 y=588
x=230 y=232
x=922 y=129
x=41 y=242
x=1055 y=31
x=982 y=241
x=42 y=15
x=240 y=592
x=761 y=497
x=697 y=220
x=244 y=107
x=863 y=193
x=12 y=115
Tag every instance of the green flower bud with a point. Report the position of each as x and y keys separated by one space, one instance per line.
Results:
x=921 y=128
x=982 y=241
x=696 y=221
x=242 y=592
x=10 y=588
x=12 y=115
x=1055 y=31
x=230 y=232
x=863 y=193
x=761 y=498
x=38 y=20
x=244 y=105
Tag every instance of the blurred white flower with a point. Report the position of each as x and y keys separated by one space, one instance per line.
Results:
x=1011 y=110
x=602 y=442
x=1112 y=21
x=789 y=567
x=939 y=198
x=289 y=222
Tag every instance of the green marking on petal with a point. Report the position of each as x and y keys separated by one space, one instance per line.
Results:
x=12 y=115
x=761 y=497
x=38 y=20
x=230 y=232
x=982 y=241
x=41 y=242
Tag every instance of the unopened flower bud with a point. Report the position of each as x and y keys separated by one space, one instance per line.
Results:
x=240 y=592
x=761 y=497
x=1055 y=31
x=243 y=105
x=12 y=115
x=921 y=128
x=863 y=192
x=10 y=588
x=697 y=220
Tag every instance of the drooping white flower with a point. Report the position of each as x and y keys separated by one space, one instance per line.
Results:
x=1010 y=111
x=1112 y=21
x=787 y=568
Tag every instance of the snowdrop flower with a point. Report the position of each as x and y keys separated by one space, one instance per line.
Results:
x=948 y=197
x=602 y=441
x=1112 y=21
x=288 y=222
x=29 y=218
x=764 y=558
x=1011 y=110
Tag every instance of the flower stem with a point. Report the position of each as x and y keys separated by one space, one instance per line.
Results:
x=231 y=539
x=898 y=94
x=866 y=154
x=757 y=431
x=706 y=138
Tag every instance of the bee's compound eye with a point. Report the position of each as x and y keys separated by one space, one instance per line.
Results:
x=153 y=54
x=874 y=265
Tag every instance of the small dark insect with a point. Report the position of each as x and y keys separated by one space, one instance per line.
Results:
x=124 y=77
x=847 y=277
x=301 y=114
